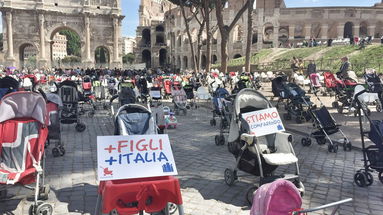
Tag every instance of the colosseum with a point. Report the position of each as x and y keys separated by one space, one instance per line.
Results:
x=162 y=39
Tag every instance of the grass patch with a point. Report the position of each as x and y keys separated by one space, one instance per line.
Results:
x=299 y=53
x=368 y=58
x=339 y=51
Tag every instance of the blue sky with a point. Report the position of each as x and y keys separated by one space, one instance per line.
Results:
x=130 y=10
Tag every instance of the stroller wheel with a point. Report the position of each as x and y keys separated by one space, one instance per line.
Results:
x=368 y=112
x=172 y=208
x=306 y=141
x=55 y=152
x=363 y=179
x=340 y=109
x=80 y=127
x=355 y=113
x=347 y=146
x=213 y=122
x=380 y=177
x=378 y=108
x=324 y=94
x=219 y=140
x=45 y=209
x=91 y=114
x=230 y=177
x=250 y=194
x=44 y=192
x=335 y=105
x=62 y=150
x=105 y=106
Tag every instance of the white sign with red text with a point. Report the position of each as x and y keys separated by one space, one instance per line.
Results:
x=135 y=156
x=264 y=122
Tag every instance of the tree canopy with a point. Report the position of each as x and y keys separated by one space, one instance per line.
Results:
x=74 y=42
x=128 y=58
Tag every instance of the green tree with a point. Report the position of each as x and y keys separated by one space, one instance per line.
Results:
x=1 y=41
x=74 y=42
x=128 y=58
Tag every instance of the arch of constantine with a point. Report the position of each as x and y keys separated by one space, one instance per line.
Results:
x=34 y=23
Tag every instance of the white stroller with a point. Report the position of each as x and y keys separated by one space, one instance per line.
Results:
x=258 y=156
x=366 y=99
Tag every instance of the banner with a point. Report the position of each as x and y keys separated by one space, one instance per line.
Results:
x=264 y=122
x=136 y=156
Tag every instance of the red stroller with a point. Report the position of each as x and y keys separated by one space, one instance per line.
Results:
x=23 y=133
x=168 y=87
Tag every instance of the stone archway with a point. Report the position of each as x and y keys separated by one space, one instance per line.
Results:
x=363 y=32
x=348 y=27
x=27 y=55
x=37 y=27
x=162 y=59
x=102 y=56
x=147 y=58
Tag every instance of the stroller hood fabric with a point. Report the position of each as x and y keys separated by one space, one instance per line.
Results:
x=23 y=105
x=134 y=119
x=246 y=99
x=278 y=198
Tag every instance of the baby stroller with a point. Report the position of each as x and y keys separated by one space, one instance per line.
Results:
x=87 y=97
x=258 y=156
x=132 y=196
x=99 y=92
x=54 y=104
x=189 y=90
x=70 y=112
x=8 y=85
x=157 y=108
x=126 y=94
x=282 y=197
x=23 y=136
x=297 y=104
x=170 y=119
x=343 y=90
x=373 y=154
x=223 y=108
x=375 y=85
x=167 y=87
x=366 y=99
x=179 y=99
x=315 y=84
x=325 y=125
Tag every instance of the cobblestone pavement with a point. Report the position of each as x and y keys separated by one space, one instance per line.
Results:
x=327 y=176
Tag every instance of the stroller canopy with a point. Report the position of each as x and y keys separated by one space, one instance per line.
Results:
x=8 y=85
x=278 y=198
x=23 y=105
x=134 y=119
x=247 y=100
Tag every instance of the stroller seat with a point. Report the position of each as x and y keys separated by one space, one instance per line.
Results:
x=274 y=151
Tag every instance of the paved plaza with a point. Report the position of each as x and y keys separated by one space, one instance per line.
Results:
x=327 y=176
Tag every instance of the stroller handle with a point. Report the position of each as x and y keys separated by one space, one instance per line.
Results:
x=334 y=204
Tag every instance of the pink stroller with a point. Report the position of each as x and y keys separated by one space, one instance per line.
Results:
x=315 y=85
x=283 y=198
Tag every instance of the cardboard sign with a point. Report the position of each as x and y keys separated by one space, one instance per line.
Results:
x=264 y=122
x=136 y=156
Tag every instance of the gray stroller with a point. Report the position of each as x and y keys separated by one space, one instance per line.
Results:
x=258 y=156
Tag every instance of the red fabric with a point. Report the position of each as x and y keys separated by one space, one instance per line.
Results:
x=8 y=133
x=161 y=189
x=87 y=86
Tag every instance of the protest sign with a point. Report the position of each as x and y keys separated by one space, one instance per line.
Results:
x=136 y=156
x=264 y=122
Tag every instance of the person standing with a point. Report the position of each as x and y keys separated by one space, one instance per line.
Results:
x=311 y=68
x=344 y=68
